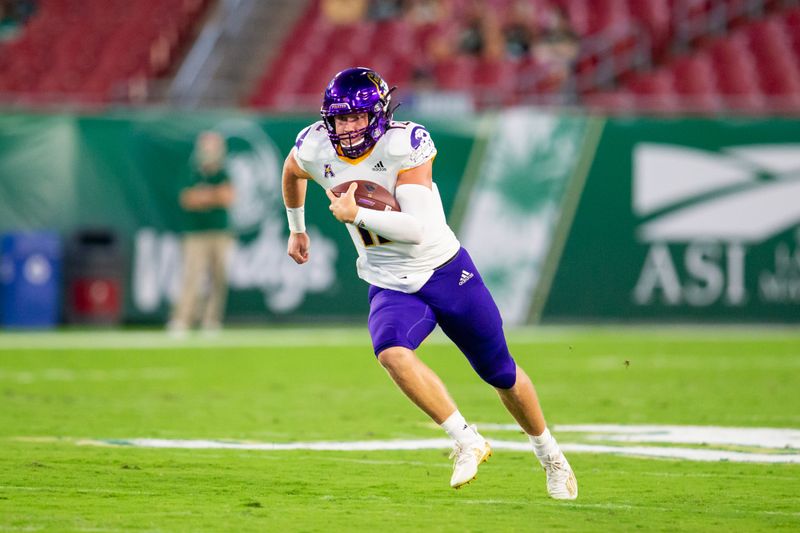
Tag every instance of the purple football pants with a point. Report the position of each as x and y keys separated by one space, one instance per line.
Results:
x=456 y=299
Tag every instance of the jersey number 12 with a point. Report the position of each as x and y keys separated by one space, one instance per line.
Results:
x=372 y=239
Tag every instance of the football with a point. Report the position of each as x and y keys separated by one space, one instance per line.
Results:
x=369 y=195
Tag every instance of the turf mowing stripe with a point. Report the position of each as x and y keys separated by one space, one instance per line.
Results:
x=159 y=340
x=26 y=377
x=359 y=336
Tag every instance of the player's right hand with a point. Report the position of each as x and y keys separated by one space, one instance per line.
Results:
x=344 y=207
x=299 y=243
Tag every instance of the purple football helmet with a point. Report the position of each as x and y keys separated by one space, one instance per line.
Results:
x=357 y=90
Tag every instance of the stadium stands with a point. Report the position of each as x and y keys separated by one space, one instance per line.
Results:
x=95 y=51
x=663 y=55
x=658 y=55
x=755 y=68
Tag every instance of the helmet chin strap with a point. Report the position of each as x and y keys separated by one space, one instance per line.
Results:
x=388 y=98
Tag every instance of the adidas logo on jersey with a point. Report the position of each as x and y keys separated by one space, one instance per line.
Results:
x=465 y=277
x=379 y=167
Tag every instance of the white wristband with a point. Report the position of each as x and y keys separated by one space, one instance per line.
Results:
x=297 y=219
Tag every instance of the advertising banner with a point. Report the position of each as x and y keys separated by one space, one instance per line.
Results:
x=124 y=172
x=569 y=217
x=515 y=206
x=686 y=220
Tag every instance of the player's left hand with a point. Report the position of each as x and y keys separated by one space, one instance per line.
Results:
x=344 y=207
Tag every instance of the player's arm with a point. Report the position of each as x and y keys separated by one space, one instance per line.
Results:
x=205 y=197
x=415 y=197
x=224 y=194
x=294 y=184
x=190 y=200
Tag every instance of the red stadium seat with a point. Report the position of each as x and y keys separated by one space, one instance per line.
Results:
x=607 y=14
x=494 y=81
x=743 y=68
x=579 y=13
x=655 y=16
x=694 y=81
x=609 y=102
x=455 y=73
x=736 y=76
x=394 y=38
x=67 y=40
x=653 y=91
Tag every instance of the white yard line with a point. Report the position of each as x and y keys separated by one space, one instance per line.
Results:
x=774 y=438
x=773 y=445
x=690 y=454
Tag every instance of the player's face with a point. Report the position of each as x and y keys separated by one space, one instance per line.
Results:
x=350 y=123
x=210 y=148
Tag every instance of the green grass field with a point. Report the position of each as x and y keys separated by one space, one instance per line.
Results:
x=64 y=396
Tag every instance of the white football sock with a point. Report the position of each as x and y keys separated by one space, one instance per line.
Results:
x=458 y=429
x=543 y=444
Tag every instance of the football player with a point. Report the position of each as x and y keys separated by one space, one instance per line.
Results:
x=419 y=275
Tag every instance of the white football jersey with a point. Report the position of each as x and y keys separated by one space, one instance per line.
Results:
x=387 y=264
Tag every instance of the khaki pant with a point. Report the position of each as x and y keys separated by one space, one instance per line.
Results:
x=204 y=256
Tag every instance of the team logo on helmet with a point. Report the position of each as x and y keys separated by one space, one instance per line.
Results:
x=379 y=83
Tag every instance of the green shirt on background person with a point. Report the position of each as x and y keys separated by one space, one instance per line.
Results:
x=212 y=218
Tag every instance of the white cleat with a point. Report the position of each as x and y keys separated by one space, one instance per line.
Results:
x=467 y=459
x=561 y=481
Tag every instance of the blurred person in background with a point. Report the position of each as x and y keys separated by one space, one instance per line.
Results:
x=206 y=238
x=476 y=32
x=13 y=15
x=344 y=12
x=557 y=47
x=385 y=9
x=558 y=41
x=424 y=12
x=437 y=33
x=481 y=34
x=521 y=29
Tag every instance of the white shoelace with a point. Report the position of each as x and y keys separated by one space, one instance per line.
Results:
x=554 y=461
x=557 y=474
x=554 y=465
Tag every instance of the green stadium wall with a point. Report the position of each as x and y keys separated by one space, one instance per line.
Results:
x=569 y=217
